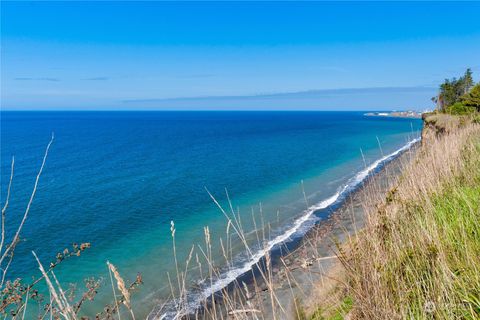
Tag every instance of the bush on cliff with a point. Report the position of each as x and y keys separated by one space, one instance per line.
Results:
x=460 y=109
x=472 y=99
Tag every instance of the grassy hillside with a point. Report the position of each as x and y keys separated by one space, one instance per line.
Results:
x=419 y=255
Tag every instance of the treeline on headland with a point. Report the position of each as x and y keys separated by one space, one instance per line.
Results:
x=458 y=96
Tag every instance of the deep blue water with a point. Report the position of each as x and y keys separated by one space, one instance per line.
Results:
x=117 y=179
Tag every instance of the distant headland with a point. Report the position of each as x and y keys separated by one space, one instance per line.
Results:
x=397 y=114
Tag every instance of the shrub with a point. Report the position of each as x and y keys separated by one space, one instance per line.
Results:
x=459 y=108
x=472 y=99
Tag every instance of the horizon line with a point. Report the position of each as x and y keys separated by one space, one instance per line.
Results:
x=204 y=110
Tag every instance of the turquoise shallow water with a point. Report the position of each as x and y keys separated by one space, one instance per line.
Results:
x=117 y=179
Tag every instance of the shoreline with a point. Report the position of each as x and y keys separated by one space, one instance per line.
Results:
x=312 y=262
x=314 y=265
x=298 y=258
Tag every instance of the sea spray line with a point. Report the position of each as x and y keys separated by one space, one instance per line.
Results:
x=359 y=177
x=228 y=277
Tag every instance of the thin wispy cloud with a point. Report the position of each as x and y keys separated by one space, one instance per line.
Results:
x=301 y=94
x=36 y=79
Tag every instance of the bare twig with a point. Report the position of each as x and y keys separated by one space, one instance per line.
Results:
x=11 y=248
x=4 y=209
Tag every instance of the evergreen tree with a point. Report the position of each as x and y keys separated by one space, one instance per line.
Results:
x=452 y=90
x=467 y=81
x=472 y=98
x=449 y=92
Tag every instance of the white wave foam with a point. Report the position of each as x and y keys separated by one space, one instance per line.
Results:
x=364 y=173
x=232 y=274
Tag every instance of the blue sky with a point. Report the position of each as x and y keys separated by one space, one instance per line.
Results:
x=233 y=55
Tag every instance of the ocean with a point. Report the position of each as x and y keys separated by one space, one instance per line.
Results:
x=118 y=179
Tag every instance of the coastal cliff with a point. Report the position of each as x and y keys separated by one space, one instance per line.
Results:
x=436 y=124
x=417 y=256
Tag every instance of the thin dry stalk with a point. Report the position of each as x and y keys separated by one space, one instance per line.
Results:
x=114 y=291
x=122 y=288
x=4 y=209
x=11 y=248
x=65 y=311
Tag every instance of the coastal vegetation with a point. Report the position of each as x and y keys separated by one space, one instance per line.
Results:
x=418 y=255
x=458 y=96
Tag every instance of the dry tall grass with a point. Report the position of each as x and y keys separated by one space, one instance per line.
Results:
x=419 y=254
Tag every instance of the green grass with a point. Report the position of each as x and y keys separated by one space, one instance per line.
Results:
x=457 y=212
x=440 y=278
x=338 y=312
